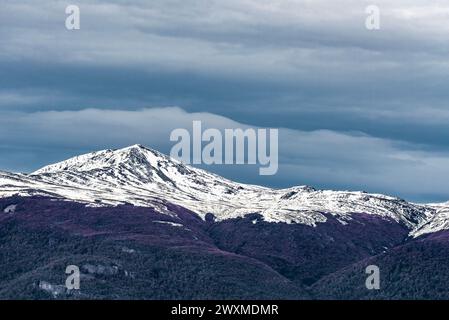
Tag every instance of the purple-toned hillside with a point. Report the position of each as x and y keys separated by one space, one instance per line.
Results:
x=134 y=252
x=124 y=252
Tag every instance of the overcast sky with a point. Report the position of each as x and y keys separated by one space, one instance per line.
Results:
x=358 y=109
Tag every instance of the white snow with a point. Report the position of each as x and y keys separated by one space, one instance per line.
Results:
x=439 y=221
x=144 y=177
x=173 y=224
x=10 y=208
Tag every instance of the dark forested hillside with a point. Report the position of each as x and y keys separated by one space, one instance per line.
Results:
x=128 y=252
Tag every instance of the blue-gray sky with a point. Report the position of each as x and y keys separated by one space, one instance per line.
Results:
x=359 y=109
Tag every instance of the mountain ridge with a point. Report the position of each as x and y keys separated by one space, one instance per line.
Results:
x=145 y=177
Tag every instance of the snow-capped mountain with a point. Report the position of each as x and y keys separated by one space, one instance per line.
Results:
x=294 y=243
x=145 y=177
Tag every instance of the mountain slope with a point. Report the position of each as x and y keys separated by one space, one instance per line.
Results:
x=437 y=222
x=123 y=252
x=416 y=269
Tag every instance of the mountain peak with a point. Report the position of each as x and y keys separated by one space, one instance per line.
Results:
x=136 y=147
x=135 y=155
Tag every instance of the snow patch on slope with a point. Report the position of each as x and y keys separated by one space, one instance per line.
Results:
x=438 y=222
x=10 y=209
